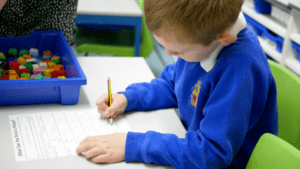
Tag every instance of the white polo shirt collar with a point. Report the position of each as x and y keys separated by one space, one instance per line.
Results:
x=209 y=63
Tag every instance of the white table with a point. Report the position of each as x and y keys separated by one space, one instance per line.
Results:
x=112 y=13
x=109 y=7
x=123 y=71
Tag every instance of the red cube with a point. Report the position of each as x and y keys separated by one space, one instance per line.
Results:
x=62 y=73
x=54 y=74
x=14 y=65
x=24 y=71
x=4 y=78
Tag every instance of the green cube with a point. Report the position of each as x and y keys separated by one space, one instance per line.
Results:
x=25 y=75
x=13 y=52
x=29 y=66
x=2 y=57
x=23 y=52
x=39 y=76
x=56 y=61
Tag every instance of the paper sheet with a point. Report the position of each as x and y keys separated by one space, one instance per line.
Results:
x=58 y=134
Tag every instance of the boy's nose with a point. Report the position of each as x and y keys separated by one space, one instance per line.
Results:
x=169 y=52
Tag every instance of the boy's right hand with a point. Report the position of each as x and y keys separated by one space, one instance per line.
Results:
x=118 y=106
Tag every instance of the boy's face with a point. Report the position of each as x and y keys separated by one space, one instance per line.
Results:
x=187 y=51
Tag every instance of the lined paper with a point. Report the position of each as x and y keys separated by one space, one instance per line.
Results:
x=57 y=134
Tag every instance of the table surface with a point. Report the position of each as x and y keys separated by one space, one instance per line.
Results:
x=109 y=7
x=122 y=71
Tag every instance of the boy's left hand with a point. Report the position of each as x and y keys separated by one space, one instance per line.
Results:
x=104 y=149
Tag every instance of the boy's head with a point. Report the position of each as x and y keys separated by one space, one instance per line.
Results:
x=197 y=23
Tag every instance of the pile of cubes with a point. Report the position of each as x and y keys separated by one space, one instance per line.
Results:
x=30 y=65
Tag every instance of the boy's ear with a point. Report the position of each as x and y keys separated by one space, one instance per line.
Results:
x=226 y=38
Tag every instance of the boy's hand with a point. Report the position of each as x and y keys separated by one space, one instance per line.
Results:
x=118 y=106
x=104 y=149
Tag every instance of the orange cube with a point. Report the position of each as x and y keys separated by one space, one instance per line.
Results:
x=47 y=52
x=26 y=56
x=23 y=78
x=58 y=67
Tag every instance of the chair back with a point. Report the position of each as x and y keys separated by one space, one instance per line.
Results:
x=288 y=98
x=272 y=152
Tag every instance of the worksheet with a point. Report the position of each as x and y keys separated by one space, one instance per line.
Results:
x=57 y=134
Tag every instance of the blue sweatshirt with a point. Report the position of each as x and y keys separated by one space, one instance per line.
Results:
x=225 y=110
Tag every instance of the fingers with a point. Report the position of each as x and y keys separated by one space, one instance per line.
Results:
x=89 y=139
x=101 y=159
x=85 y=147
x=118 y=105
x=102 y=104
x=102 y=101
x=94 y=152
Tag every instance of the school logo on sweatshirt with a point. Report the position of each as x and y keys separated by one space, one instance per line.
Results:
x=194 y=96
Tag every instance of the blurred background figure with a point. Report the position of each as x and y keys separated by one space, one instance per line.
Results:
x=21 y=17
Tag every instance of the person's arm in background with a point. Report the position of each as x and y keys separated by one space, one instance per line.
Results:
x=2 y=3
x=42 y=15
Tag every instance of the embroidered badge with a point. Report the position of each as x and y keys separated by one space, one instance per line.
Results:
x=194 y=96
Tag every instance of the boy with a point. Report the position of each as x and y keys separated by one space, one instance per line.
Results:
x=226 y=102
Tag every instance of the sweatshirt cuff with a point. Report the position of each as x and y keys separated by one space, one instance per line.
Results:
x=133 y=147
x=131 y=103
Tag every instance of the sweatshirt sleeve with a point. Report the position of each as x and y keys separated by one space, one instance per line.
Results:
x=221 y=133
x=158 y=94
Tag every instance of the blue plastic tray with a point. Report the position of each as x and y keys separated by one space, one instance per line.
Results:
x=41 y=91
x=255 y=26
x=275 y=39
x=297 y=48
x=262 y=6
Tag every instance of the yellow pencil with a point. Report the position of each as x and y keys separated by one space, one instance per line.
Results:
x=109 y=97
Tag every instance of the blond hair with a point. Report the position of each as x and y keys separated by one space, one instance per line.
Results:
x=191 y=21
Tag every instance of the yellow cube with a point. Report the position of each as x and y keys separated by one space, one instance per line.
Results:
x=47 y=72
x=55 y=58
x=13 y=77
x=22 y=61
x=61 y=77
x=11 y=72
x=51 y=64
